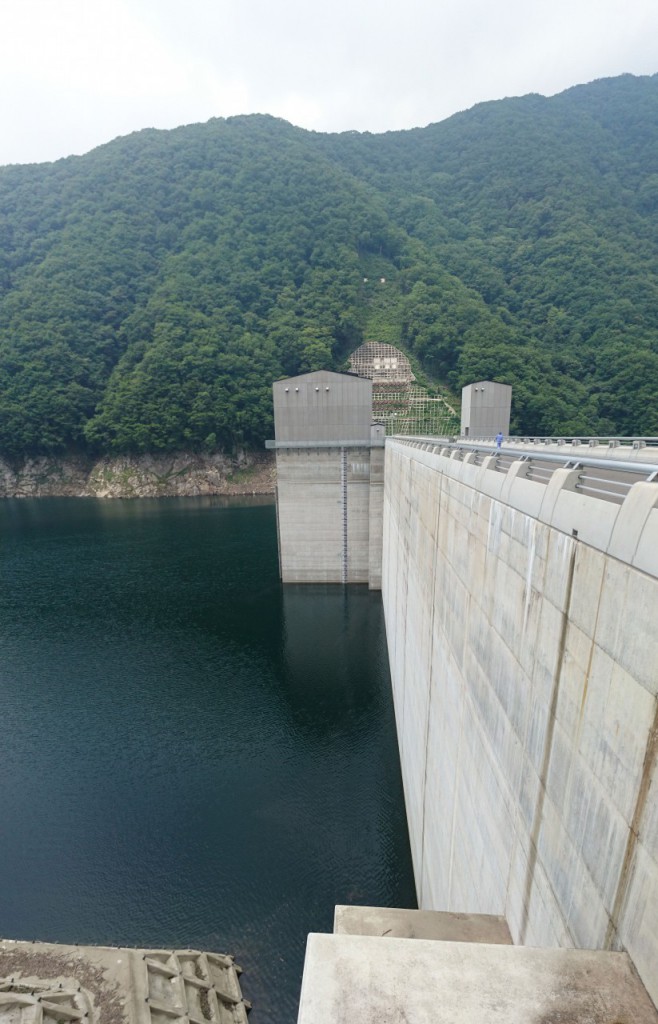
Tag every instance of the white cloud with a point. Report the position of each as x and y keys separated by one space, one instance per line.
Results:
x=75 y=73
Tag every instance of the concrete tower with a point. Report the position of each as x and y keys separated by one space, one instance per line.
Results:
x=330 y=474
x=486 y=409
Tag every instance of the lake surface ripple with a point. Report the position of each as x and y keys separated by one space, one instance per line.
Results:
x=192 y=755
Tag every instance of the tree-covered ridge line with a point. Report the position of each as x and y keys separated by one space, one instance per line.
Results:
x=151 y=290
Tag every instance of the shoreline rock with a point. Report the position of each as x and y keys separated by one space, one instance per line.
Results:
x=183 y=474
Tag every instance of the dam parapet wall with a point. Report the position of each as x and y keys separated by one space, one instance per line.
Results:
x=520 y=619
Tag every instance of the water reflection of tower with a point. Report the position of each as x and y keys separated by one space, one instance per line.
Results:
x=330 y=635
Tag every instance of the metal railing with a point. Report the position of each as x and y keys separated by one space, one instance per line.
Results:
x=560 y=441
x=609 y=479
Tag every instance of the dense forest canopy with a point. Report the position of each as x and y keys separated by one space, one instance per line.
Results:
x=152 y=290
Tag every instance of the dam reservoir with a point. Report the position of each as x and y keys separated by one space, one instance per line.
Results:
x=193 y=755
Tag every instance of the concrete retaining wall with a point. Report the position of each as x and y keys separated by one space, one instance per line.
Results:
x=521 y=624
x=323 y=511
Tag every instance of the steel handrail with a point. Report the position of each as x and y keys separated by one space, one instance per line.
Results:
x=567 y=461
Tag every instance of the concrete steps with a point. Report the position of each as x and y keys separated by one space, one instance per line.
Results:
x=397 y=923
x=384 y=966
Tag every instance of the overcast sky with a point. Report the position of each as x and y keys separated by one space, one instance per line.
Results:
x=77 y=73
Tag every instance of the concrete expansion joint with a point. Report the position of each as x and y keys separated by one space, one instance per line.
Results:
x=648 y=768
x=521 y=630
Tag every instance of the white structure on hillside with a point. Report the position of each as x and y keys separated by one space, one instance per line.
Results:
x=401 y=405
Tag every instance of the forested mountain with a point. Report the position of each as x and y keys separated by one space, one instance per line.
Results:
x=151 y=290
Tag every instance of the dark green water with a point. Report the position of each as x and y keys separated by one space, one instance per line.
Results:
x=191 y=754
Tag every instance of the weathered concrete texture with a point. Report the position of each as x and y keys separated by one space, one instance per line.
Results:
x=523 y=662
x=376 y=518
x=329 y=479
x=397 y=923
x=353 y=978
x=42 y=983
x=323 y=508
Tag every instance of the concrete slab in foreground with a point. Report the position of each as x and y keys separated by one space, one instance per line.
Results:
x=43 y=983
x=398 y=923
x=369 y=980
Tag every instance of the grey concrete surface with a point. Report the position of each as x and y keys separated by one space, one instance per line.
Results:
x=45 y=983
x=350 y=979
x=323 y=406
x=398 y=923
x=486 y=408
x=323 y=509
x=521 y=625
x=376 y=511
x=329 y=497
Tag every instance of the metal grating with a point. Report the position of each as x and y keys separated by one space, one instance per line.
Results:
x=381 y=364
x=402 y=406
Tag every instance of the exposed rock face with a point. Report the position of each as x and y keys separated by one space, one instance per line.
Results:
x=139 y=476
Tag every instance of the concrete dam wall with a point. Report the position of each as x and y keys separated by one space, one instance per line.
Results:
x=524 y=658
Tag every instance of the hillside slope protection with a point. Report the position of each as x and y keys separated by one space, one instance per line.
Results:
x=151 y=290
